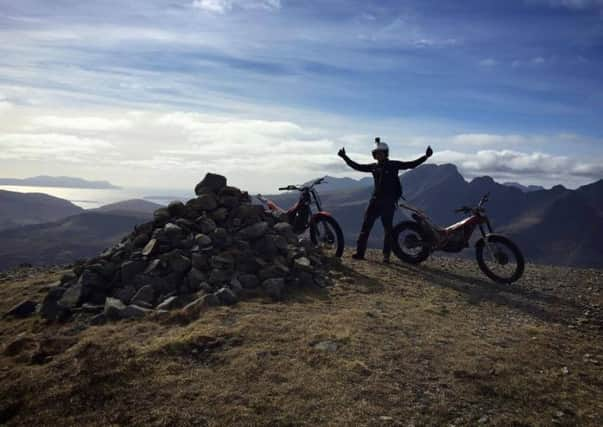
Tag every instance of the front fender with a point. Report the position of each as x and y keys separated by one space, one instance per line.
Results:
x=481 y=242
x=321 y=213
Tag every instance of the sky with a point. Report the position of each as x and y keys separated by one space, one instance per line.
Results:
x=156 y=93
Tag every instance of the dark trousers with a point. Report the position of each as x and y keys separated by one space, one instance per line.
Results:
x=384 y=208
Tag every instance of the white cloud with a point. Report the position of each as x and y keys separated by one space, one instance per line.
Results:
x=572 y=4
x=515 y=164
x=488 y=62
x=48 y=147
x=166 y=149
x=80 y=123
x=485 y=139
x=223 y=6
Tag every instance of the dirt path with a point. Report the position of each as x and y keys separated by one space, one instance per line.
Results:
x=386 y=345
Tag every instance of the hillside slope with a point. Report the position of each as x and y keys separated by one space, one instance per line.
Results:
x=385 y=345
x=64 y=241
x=17 y=209
x=132 y=207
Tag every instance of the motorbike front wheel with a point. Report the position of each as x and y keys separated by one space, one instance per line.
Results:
x=326 y=233
x=409 y=242
x=500 y=259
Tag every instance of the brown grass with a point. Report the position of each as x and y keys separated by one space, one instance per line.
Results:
x=433 y=345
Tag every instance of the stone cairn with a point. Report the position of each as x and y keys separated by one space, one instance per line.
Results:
x=212 y=250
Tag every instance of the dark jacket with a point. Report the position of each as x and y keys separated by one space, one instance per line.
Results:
x=385 y=174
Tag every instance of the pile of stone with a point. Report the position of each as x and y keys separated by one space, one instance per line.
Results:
x=212 y=250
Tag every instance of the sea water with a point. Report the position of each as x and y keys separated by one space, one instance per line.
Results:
x=90 y=198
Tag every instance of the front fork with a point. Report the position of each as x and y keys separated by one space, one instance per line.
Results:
x=485 y=236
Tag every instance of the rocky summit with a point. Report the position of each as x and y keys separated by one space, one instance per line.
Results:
x=212 y=250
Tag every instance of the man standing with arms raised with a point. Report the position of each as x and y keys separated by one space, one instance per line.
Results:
x=386 y=193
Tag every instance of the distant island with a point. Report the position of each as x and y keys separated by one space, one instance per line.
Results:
x=57 y=181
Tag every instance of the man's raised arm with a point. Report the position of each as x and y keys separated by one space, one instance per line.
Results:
x=353 y=164
x=414 y=163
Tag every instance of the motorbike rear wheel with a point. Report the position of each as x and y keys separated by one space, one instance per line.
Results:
x=409 y=242
x=326 y=233
x=503 y=261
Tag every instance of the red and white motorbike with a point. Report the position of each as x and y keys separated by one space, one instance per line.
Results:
x=497 y=256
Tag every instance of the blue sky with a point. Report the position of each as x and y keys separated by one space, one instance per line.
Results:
x=266 y=91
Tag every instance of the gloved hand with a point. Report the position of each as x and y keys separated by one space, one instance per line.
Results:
x=428 y=152
x=341 y=153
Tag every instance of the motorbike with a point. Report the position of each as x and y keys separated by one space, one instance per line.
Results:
x=497 y=256
x=325 y=232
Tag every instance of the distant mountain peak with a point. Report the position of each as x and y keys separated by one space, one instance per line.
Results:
x=524 y=188
x=57 y=181
x=483 y=180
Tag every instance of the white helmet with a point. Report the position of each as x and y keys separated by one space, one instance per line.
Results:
x=381 y=146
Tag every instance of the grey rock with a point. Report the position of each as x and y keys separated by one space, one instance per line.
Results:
x=220 y=214
x=305 y=278
x=249 y=214
x=254 y=231
x=195 y=278
x=179 y=263
x=229 y=202
x=200 y=261
x=146 y=294
x=50 y=308
x=173 y=231
x=226 y=296
x=195 y=307
x=281 y=244
x=206 y=287
x=266 y=246
x=283 y=228
x=236 y=286
x=161 y=215
x=153 y=267
x=92 y=280
x=125 y=294
x=329 y=346
x=23 y=309
x=129 y=270
x=141 y=240
x=134 y=312
x=150 y=248
x=207 y=202
x=249 y=281
x=73 y=296
x=113 y=308
x=231 y=191
x=176 y=209
x=274 y=288
x=68 y=276
x=92 y=308
x=203 y=240
x=99 y=319
x=306 y=244
x=302 y=263
x=218 y=276
x=273 y=271
x=222 y=262
x=220 y=238
x=211 y=183
x=145 y=305
x=169 y=303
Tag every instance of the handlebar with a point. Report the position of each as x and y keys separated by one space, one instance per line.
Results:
x=303 y=187
x=479 y=208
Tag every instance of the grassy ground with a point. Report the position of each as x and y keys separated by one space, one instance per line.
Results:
x=386 y=345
